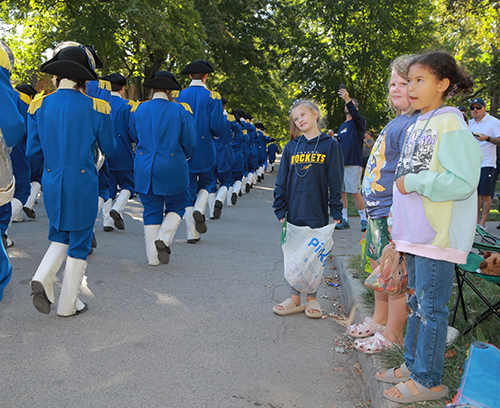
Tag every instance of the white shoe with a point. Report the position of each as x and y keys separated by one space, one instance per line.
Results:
x=118 y=207
x=211 y=205
x=30 y=203
x=219 y=201
x=107 y=221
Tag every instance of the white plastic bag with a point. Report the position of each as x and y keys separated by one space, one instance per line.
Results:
x=305 y=251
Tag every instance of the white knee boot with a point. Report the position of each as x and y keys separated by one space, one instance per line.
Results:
x=17 y=207
x=30 y=203
x=211 y=205
x=118 y=207
x=69 y=304
x=229 y=196
x=107 y=221
x=166 y=235
x=150 y=236
x=192 y=235
x=219 y=201
x=42 y=283
x=199 y=211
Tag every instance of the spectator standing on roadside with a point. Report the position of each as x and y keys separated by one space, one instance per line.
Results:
x=367 y=147
x=486 y=128
x=351 y=138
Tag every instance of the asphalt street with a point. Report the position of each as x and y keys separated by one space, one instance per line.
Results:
x=198 y=332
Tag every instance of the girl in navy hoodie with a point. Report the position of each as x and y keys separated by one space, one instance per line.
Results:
x=308 y=186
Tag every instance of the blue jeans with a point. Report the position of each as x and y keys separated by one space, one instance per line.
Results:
x=425 y=340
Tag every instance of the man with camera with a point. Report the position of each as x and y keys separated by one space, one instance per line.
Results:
x=486 y=130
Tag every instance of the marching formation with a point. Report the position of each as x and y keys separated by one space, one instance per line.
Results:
x=91 y=150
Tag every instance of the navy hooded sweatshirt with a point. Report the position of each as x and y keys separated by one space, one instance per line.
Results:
x=309 y=181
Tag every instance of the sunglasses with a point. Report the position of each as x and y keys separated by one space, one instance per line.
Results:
x=476 y=107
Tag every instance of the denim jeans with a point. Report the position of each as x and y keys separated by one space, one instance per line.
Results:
x=425 y=340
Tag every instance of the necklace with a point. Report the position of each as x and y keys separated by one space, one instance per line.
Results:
x=416 y=141
x=296 y=148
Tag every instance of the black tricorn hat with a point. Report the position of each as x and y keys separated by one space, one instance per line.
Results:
x=224 y=100
x=163 y=80
x=259 y=125
x=247 y=116
x=72 y=62
x=116 y=78
x=198 y=67
x=98 y=62
x=26 y=89
x=238 y=112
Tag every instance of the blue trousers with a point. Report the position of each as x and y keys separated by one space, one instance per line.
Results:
x=198 y=181
x=5 y=270
x=155 y=206
x=79 y=241
x=122 y=178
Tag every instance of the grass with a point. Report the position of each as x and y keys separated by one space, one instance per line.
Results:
x=456 y=353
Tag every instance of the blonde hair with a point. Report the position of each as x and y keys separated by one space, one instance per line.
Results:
x=400 y=65
x=308 y=103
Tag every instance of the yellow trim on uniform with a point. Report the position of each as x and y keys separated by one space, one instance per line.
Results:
x=230 y=118
x=36 y=103
x=4 y=60
x=25 y=98
x=245 y=131
x=101 y=106
x=175 y=94
x=187 y=107
x=135 y=106
x=215 y=95
x=105 y=85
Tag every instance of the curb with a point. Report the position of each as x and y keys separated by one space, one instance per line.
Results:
x=351 y=295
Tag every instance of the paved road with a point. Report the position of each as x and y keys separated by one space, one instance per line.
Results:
x=198 y=332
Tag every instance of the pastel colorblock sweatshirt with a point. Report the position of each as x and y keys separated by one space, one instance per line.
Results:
x=442 y=164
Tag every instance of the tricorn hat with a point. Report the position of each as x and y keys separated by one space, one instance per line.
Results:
x=198 y=67
x=259 y=125
x=98 y=63
x=163 y=80
x=224 y=100
x=248 y=116
x=116 y=78
x=26 y=89
x=73 y=62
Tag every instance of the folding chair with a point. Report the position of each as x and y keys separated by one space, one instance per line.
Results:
x=487 y=237
x=472 y=267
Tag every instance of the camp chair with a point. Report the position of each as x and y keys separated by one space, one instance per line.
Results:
x=472 y=267
x=487 y=237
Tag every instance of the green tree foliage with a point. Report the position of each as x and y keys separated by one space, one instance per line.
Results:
x=351 y=42
x=470 y=31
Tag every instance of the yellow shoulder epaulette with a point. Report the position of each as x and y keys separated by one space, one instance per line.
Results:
x=266 y=134
x=245 y=131
x=131 y=102
x=187 y=107
x=215 y=95
x=230 y=118
x=175 y=94
x=135 y=106
x=101 y=106
x=4 y=60
x=105 y=85
x=36 y=103
x=25 y=98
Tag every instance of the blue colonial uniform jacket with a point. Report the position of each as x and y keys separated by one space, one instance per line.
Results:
x=253 y=159
x=223 y=149
x=123 y=157
x=12 y=123
x=237 y=144
x=209 y=118
x=165 y=134
x=20 y=163
x=63 y=129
